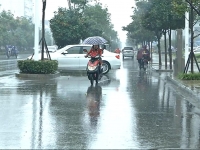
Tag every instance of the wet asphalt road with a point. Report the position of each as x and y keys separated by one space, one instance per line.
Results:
x=128 y=109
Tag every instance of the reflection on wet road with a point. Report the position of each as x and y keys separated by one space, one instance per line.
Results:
x=127 y=109
x=9 y=66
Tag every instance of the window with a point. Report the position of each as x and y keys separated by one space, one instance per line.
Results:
x=85 y=47
x=128 y=48
x=74 y=50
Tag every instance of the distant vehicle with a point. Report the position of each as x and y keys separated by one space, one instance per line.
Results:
x=94 y=69
x=196 y=50
x=72 y=58
x=11 y=51
x=196 y=45
x=51 y=49
x=128 y=52
x=173 y=49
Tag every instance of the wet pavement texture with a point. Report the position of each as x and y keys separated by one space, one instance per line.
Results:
x=8 y=66
x=129 y=109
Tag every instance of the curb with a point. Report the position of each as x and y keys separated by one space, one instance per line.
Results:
x=184 y=88
x=162 y=70
x=38 y=76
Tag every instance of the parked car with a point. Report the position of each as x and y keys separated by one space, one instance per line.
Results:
x=72 y=57
x=196 y=49
x=128 y=52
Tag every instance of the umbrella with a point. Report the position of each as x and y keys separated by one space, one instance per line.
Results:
x=94 y=40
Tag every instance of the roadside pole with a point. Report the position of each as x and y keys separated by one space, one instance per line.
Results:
x=180 y=60
x=186 y=36
x=36 y=41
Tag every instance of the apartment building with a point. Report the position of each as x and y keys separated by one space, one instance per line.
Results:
x=18 y=7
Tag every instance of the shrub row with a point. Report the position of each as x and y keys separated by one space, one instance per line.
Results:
x=189 y=76
x=197 y=57
x=38 y=67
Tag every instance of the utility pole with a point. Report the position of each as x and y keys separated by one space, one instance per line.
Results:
x=36 y=38
x=179 y=51
x=186 y=36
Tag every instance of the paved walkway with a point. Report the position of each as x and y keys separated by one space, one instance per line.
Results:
x=192 y=87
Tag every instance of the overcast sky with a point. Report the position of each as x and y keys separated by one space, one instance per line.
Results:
x=120 y=12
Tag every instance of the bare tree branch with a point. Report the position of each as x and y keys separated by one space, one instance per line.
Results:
x=198 y=12
x=196 y=36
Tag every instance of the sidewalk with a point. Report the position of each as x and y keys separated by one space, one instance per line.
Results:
x=191 y=87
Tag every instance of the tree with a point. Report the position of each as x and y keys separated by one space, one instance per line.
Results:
x=7 y=27
x=70 y=25
x=16 y=31
x=79 y=3
x=152 y=19
x=24 y=33
x=100 y=24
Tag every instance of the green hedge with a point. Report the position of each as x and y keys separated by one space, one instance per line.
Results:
x=189 y=76
x=38 y=67
x=197 y=57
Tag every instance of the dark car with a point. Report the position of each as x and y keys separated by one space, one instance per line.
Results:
x=128 y=51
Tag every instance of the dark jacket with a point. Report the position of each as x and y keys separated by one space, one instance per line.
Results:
x=143 y=52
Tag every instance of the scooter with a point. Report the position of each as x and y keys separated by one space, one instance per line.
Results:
x=94 y=69
x=143 y=63
x=11 y=52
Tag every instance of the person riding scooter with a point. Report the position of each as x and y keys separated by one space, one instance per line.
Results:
x=117 y=51
x=143 y=53
x=94 y=51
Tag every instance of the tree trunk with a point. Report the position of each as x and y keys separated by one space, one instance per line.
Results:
x=159 y=51
x=165 y=36
x=170 y=50
x=158 y=36
x=151 y=52
x=43 y=29
x=192 y=40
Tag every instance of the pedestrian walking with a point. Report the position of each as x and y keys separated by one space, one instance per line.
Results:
x=117 y=50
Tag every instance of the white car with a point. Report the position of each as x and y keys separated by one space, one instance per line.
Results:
x=128 y=52
x=72 y=57
x=196 y=50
